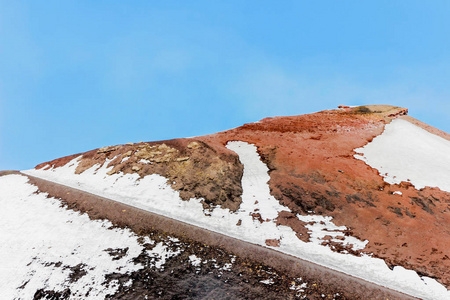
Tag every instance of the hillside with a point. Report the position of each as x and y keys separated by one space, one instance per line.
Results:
x=361 y=190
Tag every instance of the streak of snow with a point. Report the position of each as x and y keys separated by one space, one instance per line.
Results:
x=397 y=193
x=256 y=191
x=145 y=161
x=321 y=226
x=152 y=193
x=406 y=152
x=268 y=281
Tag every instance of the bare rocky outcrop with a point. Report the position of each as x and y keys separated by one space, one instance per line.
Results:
x=191 y=167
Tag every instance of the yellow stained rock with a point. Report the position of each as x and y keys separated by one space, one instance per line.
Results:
x=193 y=145
x=182 y=158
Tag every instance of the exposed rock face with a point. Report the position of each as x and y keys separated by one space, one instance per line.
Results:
x=312 y=169
x=191 y=167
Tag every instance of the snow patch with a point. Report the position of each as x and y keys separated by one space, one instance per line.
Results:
x=406 y=152
x=320 y=226
x=268 y=281
x=298 y=287
x=43 y=245
x=195 y=261
x=145 y=161
x=160 y=254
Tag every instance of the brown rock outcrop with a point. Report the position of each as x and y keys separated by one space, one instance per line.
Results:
x=192 y=167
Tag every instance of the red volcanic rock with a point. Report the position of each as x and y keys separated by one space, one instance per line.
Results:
x=312 y=169
x=273 y=243
x=401 y=112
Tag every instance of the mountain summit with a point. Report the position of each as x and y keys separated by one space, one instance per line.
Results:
x=362 y=190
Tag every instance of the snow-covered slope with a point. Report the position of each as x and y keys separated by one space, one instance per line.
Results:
x=406 y=152
x=46 y=247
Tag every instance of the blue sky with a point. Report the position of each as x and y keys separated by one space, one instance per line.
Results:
x=78 y=75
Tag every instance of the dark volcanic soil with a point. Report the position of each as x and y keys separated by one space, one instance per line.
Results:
x=220 y=276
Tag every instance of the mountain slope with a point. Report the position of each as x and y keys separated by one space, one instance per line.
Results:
x=321 y=203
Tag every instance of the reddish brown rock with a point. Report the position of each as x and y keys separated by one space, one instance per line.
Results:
x=273 y=243
x=312 y=169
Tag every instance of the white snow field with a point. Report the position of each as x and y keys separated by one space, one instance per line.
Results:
x=406 y=152
x=153 y=194
x=41 y=241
